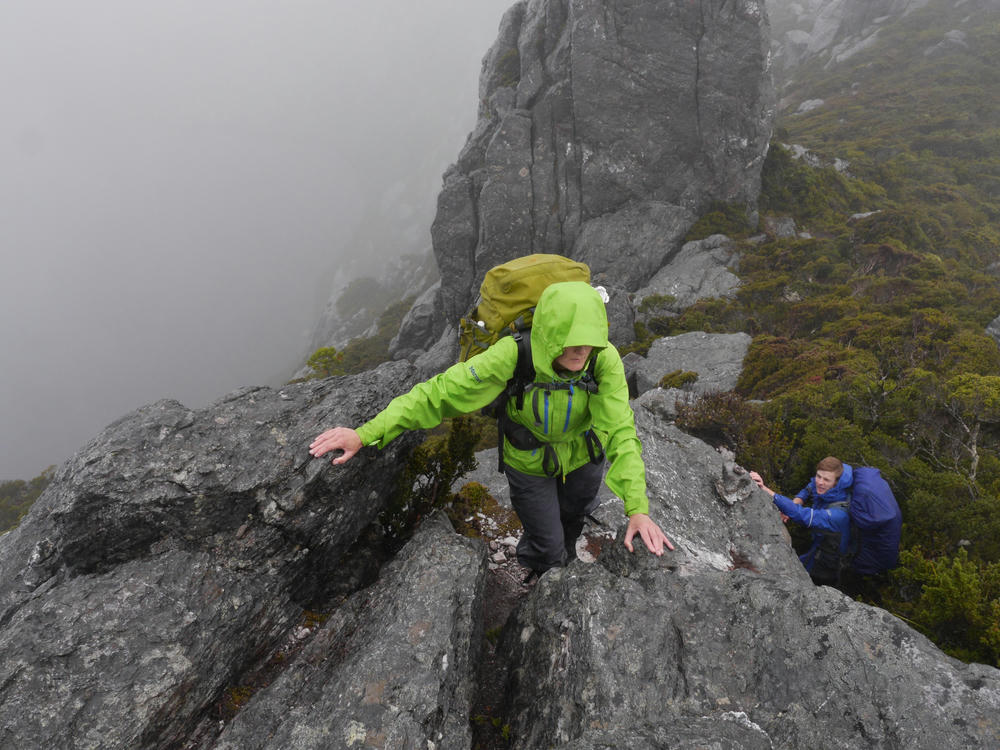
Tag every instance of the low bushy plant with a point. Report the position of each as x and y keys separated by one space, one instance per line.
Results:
x=958 y=604
x=678 y=379
x=431 y=470
x=17 y=497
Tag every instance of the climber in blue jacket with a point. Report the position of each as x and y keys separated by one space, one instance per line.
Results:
x=828 y=494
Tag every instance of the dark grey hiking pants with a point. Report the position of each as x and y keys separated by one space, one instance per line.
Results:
x=552 y=513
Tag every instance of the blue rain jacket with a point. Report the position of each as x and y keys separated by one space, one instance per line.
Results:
x=819 y=515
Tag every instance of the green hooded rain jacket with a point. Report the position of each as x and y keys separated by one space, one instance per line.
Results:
x=568 y=314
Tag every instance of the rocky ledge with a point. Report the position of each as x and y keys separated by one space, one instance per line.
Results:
x=192 y=579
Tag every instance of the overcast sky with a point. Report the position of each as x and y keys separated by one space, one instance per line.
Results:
x=177 y=177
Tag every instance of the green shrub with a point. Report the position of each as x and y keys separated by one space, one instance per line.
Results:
x=957 y=603
x=474 y=512
x=326 y=361
x=425 y=483
x=722 y=218
x=17 y=497
x=677 y=379
x=726 y=419
x=656 y=302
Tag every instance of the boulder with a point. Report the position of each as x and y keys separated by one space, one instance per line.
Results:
x=417 y=326
x=173 y=552
x=717 y=358
x=392 y=667
x=725 y=642
x=700 y=270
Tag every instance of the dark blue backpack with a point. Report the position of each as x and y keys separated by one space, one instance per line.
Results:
x=876 y=522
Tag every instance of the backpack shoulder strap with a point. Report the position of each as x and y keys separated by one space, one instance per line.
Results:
x=524 y=375
x=524 y=370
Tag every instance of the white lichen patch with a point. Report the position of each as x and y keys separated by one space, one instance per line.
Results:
x=743 y=720
x=355 y=732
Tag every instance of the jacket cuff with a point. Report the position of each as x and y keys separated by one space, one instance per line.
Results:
x=782 y=503
x=367 y=434
x=638 y=507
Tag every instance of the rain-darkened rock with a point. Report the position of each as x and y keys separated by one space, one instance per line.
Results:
x=172 y=552
x=391 y=668
x=127 y=642
x=726 y=639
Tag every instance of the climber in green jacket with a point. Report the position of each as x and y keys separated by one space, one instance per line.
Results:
x=554 y=485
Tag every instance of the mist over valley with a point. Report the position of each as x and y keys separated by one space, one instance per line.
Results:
x=183 y=185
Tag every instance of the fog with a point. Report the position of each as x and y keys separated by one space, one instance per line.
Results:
x=179 y=181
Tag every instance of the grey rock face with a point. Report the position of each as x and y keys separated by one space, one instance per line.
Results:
x=716 y=357
x=725 y=642
x=621 y=316
x=831 y=30
x=406 y=276
x=643 y=237
x=418 y=325
x=171 y=553
x=178 y=550
x=391 y=668
x=700 y=270
x=605 y=128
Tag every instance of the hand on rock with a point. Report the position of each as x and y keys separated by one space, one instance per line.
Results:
x=339 y=438
x=651 y=534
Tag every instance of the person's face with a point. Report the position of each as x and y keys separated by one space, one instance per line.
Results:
x=573 y=358
x=825 y=480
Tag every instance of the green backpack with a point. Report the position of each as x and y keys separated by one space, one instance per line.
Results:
x=507 y=298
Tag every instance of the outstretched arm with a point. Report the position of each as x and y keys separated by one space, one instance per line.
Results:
x=826 y=519
x=760 y=483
